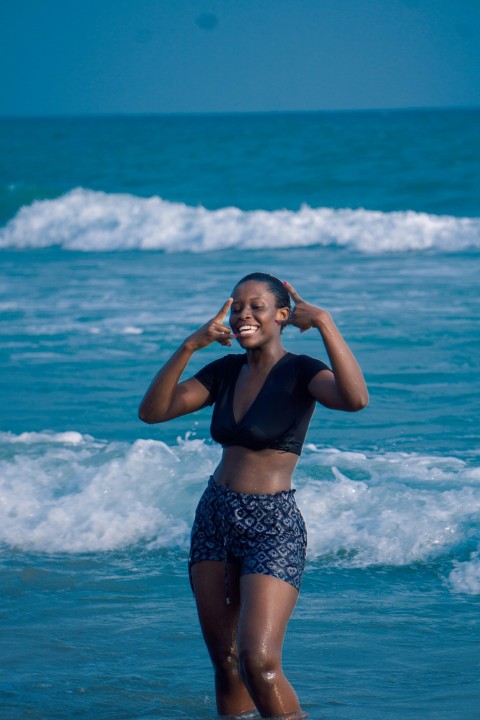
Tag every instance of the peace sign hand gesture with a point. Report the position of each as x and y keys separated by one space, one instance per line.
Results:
x=213 y=331
x=304 y=315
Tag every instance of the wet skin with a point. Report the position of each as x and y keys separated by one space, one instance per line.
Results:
x=245 y=637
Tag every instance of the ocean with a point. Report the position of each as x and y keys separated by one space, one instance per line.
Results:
x=118 y=237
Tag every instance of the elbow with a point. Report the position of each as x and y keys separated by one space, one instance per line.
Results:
x=355 y=401
x=359 y=403
x=146 y=416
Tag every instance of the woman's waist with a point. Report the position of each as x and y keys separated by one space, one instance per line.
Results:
x=261 y=472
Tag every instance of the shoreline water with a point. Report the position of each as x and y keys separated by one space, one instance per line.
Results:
x=360 y=644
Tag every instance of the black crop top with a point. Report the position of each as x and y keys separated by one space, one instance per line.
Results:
x=280 y=414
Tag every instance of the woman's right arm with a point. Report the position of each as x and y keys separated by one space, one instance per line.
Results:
x=167 y=398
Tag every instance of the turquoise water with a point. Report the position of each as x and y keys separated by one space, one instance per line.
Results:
x=121 y=235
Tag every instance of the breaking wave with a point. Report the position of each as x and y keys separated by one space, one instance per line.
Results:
x=86 y=220
x=67 y=492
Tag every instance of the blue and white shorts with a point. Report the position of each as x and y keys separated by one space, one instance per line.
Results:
x=262 y=534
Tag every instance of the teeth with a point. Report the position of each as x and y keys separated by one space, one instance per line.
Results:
x=247 y=330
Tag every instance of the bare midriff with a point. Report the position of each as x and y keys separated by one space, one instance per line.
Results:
x=255 y=471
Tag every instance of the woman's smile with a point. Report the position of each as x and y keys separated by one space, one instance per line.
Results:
x=246 y=330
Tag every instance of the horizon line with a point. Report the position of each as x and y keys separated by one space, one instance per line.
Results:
x=220 y=113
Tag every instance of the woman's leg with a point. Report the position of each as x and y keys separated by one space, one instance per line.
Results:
x=266 y=606
x=219 y=622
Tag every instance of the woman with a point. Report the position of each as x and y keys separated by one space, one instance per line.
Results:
x=248 y=539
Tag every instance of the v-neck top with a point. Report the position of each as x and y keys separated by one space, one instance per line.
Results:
x=279 y=416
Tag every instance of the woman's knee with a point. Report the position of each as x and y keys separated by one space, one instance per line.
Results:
x=225 y=663
x=257 y=665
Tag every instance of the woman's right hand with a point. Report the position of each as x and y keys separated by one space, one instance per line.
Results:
x=213 y=331
x=167 y=397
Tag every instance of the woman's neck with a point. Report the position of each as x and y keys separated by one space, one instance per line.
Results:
x=265 y=356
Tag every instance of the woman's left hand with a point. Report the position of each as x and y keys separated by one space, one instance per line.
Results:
x=343 y=387
x=304 y=315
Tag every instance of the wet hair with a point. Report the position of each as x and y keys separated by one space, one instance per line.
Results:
x=275 y=287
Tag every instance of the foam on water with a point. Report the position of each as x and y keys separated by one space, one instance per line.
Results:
x=71 y=493
x=96 y=221
x=392 y=509
x=64 y=492
x=465 y=576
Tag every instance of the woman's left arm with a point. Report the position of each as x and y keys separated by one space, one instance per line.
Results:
x=344 y=387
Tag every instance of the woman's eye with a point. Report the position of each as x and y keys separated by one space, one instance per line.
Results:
x=234 y=310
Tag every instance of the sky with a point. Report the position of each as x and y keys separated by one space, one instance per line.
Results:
x=70 y=57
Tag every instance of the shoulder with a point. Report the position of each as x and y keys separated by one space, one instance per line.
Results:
x=306 y=360
x=231 y=360
x=307 y=366
x=214 y=376
x=222 y=365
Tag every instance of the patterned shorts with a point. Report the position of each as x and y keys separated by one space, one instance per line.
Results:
x=262 y=534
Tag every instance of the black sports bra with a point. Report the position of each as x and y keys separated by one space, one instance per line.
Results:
x=280 y=414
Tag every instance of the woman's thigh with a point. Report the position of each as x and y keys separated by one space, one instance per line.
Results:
x=218 y=618
x=265 y=609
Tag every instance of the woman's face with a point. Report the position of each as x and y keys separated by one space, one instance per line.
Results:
x=253 y=314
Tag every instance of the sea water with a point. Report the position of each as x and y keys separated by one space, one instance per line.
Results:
x=119 y=236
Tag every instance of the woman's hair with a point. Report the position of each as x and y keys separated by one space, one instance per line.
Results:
x=275 y=286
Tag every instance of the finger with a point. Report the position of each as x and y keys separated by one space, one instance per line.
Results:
x=284 y=323
x=224 y=330
x=220 y=316
x=225 y=337
x=293 y=293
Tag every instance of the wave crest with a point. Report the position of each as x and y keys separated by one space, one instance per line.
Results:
x=87 y=220
x=72 y=493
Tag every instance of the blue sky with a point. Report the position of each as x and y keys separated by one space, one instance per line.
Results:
x=148 y=56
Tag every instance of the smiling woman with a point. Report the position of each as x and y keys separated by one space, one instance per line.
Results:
x=274 y=287
x=248 y=540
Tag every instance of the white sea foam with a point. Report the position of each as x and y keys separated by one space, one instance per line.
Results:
x=67 y=492
x=132 y=330
x=391 y=509
x=95 y=221
x=29 y=438
x=465 y=576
